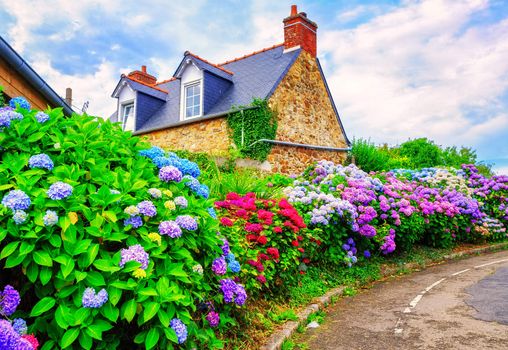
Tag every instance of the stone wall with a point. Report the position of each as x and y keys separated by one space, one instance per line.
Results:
x=305 y=112
x=210 y=136
x=294 y=160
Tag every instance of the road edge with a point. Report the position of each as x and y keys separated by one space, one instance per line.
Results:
x=276 y=340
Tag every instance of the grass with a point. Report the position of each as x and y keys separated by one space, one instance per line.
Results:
x=266 y=314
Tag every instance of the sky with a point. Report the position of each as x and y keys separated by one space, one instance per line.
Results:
x=396 y=69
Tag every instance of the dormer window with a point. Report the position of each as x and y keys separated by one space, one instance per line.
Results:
x=128 y=116
x=192 y=100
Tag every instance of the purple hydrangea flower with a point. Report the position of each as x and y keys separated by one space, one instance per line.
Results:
x=241 y=295
x=213 y=319
x=147 y=208
x=19 y=325
x=187 y=222
x=50 y=218
x=19 y=101
x=135 y=253
x=59 y=190
x=233 y=292
x=9 y=338
x=225 y=246
x=16 y=200
x=42 y=117
x=180 y=329
x=170 y=228
x=219 y=266
x=9 y=300
x=181 y=202
x=366 y=254
x=155 y=192
x=135 y=221
x=192 y=183
x=92 y=300
x=19 y=217
x=41 y=161
x=5 y=119
x=170 y=173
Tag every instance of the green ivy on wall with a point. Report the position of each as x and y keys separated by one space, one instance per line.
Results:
x=2 y=100
x=250 y=125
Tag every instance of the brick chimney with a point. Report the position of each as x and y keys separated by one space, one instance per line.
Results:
x=143 y=76
x=300 y=31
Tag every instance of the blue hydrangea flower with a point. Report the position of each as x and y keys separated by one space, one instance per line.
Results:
x=225 y=247
x=9 y=300
x=134 y=253
x=234 y=266
x=161 y=162
x=152 y=153
x=19 y=217
x=212 y=212
x=203 y=191
x=41 y=161
x=170 y=173
x=147 y=208
x=189 y=168
x=191 y=182
x=19 y=326
x=16 y=200
x=19 y=101
x=187 y=222
x=230 y=257
x=42 y=117
x=92 y=300
x=15 y=115
x=5 y=119
x=59 y=190
x=180 y=329
x=135 y=221
x=50 y=219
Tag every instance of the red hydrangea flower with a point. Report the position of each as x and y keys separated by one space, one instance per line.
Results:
x=232 y=196
x=226 y=222
x=242 y=213
x=306 y=260
x=277 y=229
x=252 y=238
x=262 y=240
x=32 y=340
x=284 y=204
x=295 y=243
x=274 y=252
x=300 y=238
x=301 y=250
x=255 y=228
x=263 y=256
x=261 y=279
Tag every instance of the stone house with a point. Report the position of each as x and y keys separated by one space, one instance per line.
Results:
x=19 y=79
x=189 y=110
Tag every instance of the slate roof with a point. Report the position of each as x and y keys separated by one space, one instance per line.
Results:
x=255 y=75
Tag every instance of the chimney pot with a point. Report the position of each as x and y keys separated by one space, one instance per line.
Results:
x=294 y=10
x=143 y=69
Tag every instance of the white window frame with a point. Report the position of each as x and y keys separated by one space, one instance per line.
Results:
x=123 y=107
x=184 y=99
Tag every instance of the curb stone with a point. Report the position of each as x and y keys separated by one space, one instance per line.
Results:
x=289 y=328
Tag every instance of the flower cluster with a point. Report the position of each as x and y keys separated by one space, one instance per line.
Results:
x=41 y=161
x=170 y=228
x=16 y=200
x=187 y=222
x=92 y=300
x=233 y=292
x=134 y=253
x=19 y=101
x=180 y=329
x=59 y=190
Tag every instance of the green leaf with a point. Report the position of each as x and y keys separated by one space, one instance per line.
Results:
x=60 y=316
x=152 y=338
x=95 y=279
x=80 y=316
x=67 y=268
x=64 y=223
x=129 y=310
x=85 y=341
x=42 y=306
x=105 y=265
x=163 y=317
x=48 y=345
x=42 y=258
x=32 y=272
x=45 y=275
x=177 y=270
x=94 y=331
x=25 y=248
x=9 y=249
x=149 y=291
x=35 y=136
x=114 y=295
x=110 y=312
x=150 y=310
x=110 y=216
x=92 y=252
x=69 y=337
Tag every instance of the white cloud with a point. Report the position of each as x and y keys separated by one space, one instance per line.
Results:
x=419 y=70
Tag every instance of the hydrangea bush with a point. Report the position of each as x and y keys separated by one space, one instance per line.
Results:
x=267 y=237
x=104 y=237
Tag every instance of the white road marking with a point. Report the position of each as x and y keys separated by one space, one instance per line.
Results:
x=491 y=263
x=416 y=300
x=458 y=273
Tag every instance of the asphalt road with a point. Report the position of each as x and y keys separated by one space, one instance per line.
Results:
x=458 y=305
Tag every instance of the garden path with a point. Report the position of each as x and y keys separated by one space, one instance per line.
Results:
x=425 y=310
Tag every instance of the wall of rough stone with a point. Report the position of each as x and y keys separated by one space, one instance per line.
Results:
x=210 y=136
x=305 y=112
x=294 y=160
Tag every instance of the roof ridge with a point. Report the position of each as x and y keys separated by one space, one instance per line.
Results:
x=145 y=84
x=165 y=81
x=251 y=54
x=210 y=63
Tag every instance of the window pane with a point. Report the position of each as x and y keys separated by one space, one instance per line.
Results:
x=196 y=100
x=192 y=100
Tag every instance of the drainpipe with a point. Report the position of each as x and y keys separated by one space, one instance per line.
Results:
x=303 y=145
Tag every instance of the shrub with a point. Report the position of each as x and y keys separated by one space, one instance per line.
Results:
x=107 y=250
x=268 y=236
x=367 y=156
